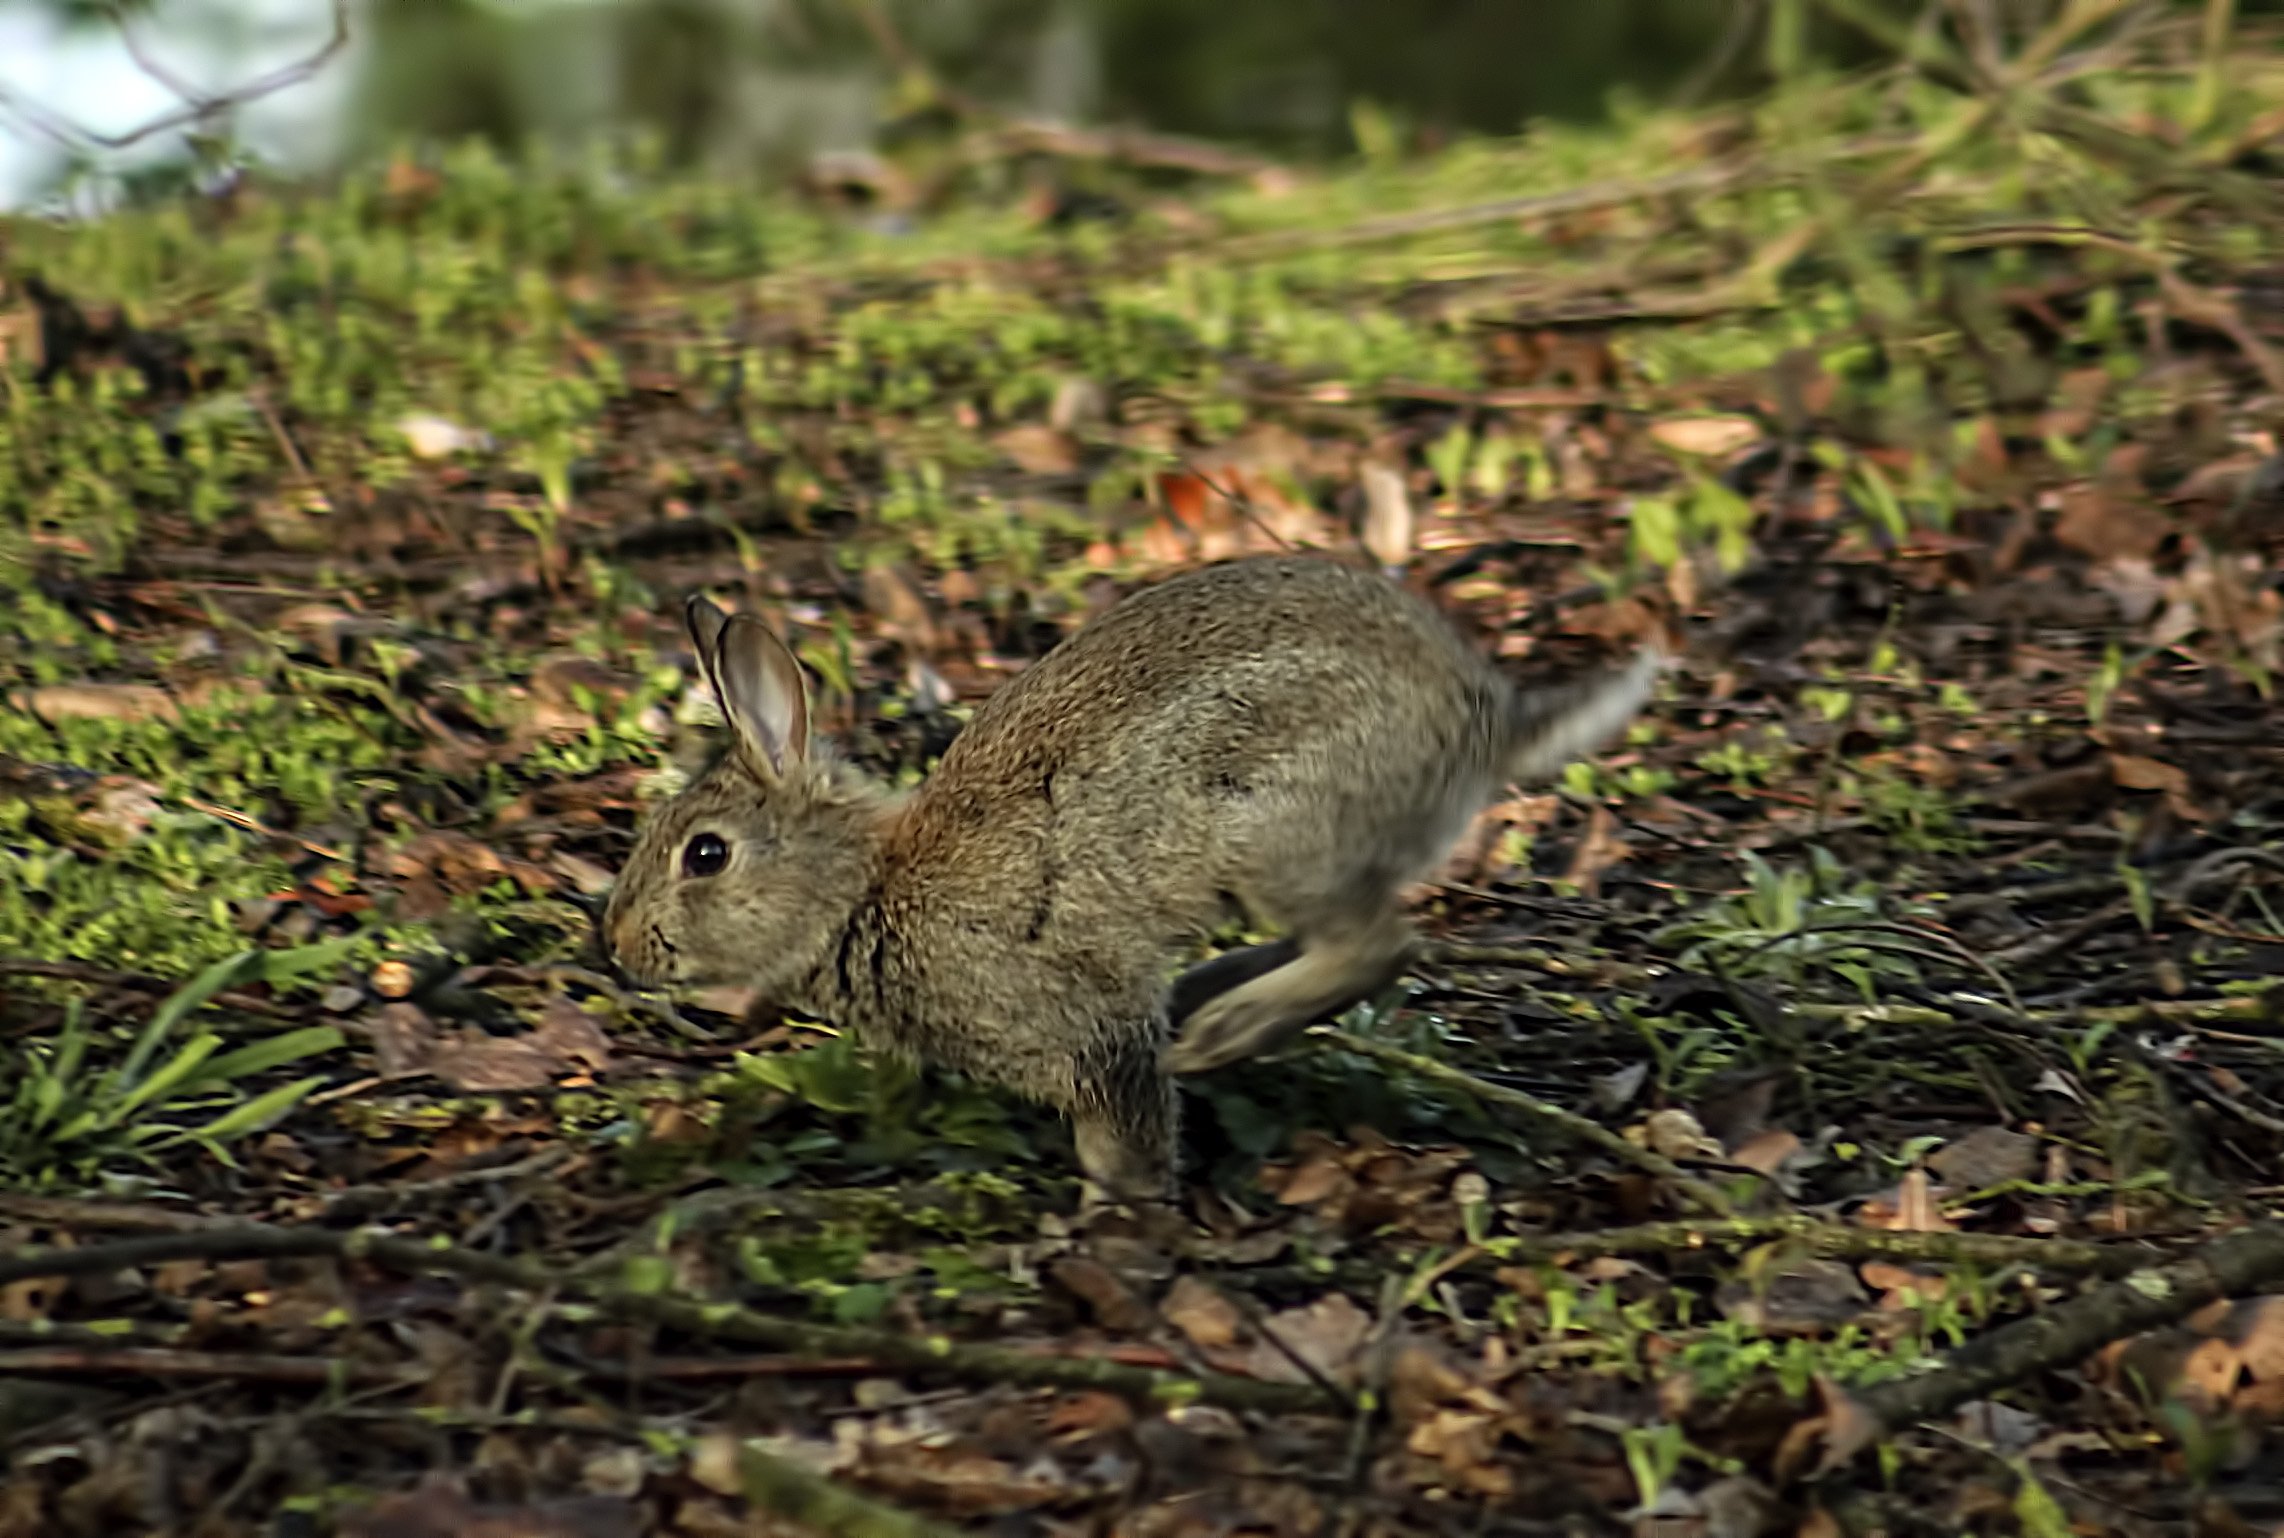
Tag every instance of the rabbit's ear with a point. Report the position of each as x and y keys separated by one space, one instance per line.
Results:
x=704 y=619
x=759 y=685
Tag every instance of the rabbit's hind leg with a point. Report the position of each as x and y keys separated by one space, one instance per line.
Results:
x=1217 y=975
x=1124 y=1120
x=1334 y=966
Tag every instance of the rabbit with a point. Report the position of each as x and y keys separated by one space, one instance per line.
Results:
x=1287 y=739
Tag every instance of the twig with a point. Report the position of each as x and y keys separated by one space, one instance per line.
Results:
x=1534 y=958
x=197 y=106
x=1039 y=136
x=366 y=1200
x=727 y=1321
x=1831 y=1241
x=1696 y=1192
x=2243 y=1262
x=83 y=1213
x=165 y=1362
x=83 y=972
x=2241 y=1006
x=1703 y=181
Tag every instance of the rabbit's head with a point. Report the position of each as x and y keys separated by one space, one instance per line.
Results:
x=750 y=874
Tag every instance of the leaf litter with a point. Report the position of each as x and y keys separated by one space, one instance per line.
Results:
x=1915 y=953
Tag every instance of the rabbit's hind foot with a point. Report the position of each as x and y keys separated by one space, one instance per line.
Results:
x=1331 y=970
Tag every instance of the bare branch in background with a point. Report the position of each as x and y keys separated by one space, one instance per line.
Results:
x=198 y=108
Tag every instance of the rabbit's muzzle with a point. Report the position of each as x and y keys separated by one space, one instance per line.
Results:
x=637 y=950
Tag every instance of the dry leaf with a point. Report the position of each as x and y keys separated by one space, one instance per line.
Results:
x=1314 y=1181
x=1326 y=1334
x=1037 y=449
x=1087 y=1414
x=2106 y=524
x=1913 y=1208
x=1602 y=847
x=1196 y=1309
x=1899 y=1284
x=1765 y=1152
x=1987 y=1156
x=102 y=702
x=567 y=1041
x=1101 y=1289
x=1846 y=1428
x=1713 y=437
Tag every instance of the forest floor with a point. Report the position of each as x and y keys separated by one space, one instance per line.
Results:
x=1908 y=973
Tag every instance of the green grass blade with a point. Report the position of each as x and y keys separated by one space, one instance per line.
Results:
x=256 y=1114
x=180 y=1003
x=165 y=1081
x=274 y=1052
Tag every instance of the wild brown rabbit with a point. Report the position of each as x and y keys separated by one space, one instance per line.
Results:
x=1285 y=738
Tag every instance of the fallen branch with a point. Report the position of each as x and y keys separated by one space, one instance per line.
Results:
x=1832 y=1241
x=112 y=977
x=167 y=1362
x=2240 y=1263
x=1696 y=1192
x=2235 y=1006
x=722 y=1321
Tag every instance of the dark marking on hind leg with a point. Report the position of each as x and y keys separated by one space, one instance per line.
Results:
x=1218 y=974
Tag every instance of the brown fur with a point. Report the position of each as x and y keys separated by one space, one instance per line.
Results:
x=1287 y=737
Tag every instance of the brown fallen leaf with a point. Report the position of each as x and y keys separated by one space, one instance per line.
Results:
x=2132 y=771
x=1765 y=1152
x=1911 y=1209
x=1987 y=1156
x=960 y=1480
x=563 y=679
x=1312 y=1182
x=1088 y=1414
x=1463 y=1444
x=1194 y=1307
x=1900 y=1286
x=894 y=601
x=1710 y=436
x=1602 y=847
x=100 y=702
x=1104 y=1292
x=567 y=1041
x=1844 y=1429
x=2107 y=522
x=1326 y=1334
x=1038 y=449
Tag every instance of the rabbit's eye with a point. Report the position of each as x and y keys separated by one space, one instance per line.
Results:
x=705 y=855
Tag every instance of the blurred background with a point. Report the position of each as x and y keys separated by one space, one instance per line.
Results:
x=759 y=86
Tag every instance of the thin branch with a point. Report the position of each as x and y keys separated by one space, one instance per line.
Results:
x=1697 y=1193
x=705 y=1320
x=197 y=106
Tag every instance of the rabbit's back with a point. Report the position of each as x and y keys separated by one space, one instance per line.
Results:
x=1286 y=723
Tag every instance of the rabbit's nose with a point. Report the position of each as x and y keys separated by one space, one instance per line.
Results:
x=610 y=927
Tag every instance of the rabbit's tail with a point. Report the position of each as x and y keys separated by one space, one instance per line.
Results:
x=1553 y=726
